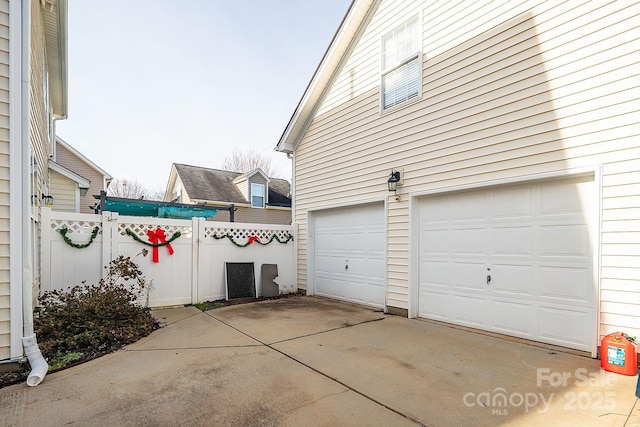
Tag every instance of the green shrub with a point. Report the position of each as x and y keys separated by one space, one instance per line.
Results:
x=95 y=319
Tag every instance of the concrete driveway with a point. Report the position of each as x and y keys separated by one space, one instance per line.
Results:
x=308 y=361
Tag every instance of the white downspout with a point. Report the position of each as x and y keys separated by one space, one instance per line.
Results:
x=39 y=366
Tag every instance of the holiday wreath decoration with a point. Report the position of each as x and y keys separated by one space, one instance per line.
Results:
x=252 y=239
x=63 y=232
x=157 y=238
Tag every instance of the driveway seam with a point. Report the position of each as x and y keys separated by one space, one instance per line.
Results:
x=163 y=324
x=316 y=401
x=631 y=412
x=195 y=348
x=328 y=330
x=270 y=346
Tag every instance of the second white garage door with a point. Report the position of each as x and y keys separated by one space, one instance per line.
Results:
x=349 y=254
x=515 y=260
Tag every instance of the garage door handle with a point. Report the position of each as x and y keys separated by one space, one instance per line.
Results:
x=346 y=267
x=488 y=278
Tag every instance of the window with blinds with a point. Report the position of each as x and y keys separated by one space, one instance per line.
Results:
x=401 y=64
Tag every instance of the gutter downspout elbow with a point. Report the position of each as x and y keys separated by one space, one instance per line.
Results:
x=39 y=366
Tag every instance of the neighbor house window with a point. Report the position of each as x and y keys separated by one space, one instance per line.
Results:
x=401 y=64
x=257 y=195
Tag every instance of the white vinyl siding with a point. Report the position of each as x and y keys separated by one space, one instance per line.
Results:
x=75 y=164
x=511 y=90
x=39 y=137
x=65 y=191
x=401 y=65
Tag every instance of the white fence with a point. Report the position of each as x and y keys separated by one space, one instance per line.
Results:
x=195 y=272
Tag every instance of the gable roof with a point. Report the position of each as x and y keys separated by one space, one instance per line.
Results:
x=249 y=174
x=218 y=186
x=353 y=25
x=83 y=158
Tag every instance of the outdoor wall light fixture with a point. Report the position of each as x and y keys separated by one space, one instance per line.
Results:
x=393 y=181
x=47 y=200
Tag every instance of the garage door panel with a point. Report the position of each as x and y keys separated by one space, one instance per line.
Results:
x=512 y=204
x=470 y=241
x=328 y=264
x=512 y=240
x=435 y=273
x=468 y=275
x=565 y=283
x=435 y=241
x=349 y=254
x=327 y=240
x=512 y=279
x=436 y=304
x=511 y=318
x=328 y=284
x=359 y=239
x=371 y=268
x=565 y=327
x=470 y=310
x=532 y=239
x=561 y=198
x=564 y=241
x=468 y=206
x=438 y=214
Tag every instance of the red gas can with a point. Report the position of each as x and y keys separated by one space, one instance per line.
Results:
x=618 y=354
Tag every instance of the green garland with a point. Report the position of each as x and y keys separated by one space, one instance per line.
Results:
x=69 y=242
x=154 y=245
x=273 y=237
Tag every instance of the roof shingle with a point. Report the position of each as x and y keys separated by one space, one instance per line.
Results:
x=217 y=186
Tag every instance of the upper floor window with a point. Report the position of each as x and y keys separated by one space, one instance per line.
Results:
x=401 y=64
x=257 y=195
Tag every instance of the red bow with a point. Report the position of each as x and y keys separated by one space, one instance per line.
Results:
x=254 y=239
x=156 y=237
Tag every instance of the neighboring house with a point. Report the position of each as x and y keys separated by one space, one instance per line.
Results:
x=75 y=179
x=515 y=130
x=256 y=197
x=33 y=95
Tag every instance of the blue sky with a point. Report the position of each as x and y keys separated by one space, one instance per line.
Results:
x=153 y=82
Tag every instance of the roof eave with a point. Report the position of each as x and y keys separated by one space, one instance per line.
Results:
x=245 y=176
x=220 y=203
x=55 y=28
x=349 y=31
x=84 y=158
x=69 y=174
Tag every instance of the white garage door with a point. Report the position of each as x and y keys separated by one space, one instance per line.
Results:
x=515 y=260
x=349 y=248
